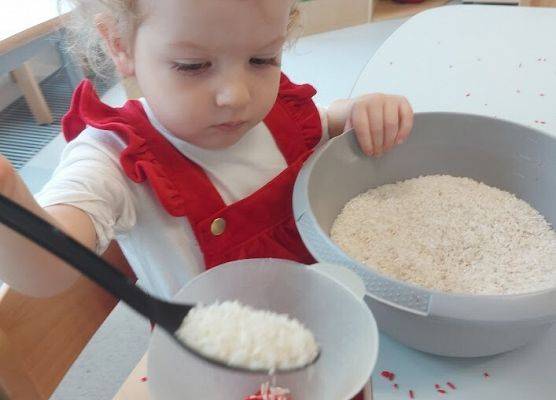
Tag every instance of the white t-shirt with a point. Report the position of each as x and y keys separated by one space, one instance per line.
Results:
x=161 y=249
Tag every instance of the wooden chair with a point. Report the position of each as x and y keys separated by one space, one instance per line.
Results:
x=538 y=3
x=27 y=27
x=40 y=338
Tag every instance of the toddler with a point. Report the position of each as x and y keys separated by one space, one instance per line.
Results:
x=200 y=171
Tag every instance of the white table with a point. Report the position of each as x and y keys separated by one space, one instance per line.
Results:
x=26 y=26
x=22 y=21
x=489 y=60
x=475 y=59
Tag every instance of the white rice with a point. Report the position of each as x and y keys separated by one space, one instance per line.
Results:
x=450 y=234
x=242 y=336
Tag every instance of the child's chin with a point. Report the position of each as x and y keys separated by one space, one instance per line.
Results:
x=224 y=140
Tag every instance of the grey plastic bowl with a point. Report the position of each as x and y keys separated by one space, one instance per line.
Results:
x=511 y=157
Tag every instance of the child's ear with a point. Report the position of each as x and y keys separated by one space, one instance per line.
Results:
x=118 y=47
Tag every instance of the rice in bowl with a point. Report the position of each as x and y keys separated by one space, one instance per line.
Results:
x=450 y=234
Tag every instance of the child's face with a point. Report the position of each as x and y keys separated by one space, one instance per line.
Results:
x=210 y=69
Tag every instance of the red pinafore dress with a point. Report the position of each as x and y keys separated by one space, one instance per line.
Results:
x=258 y=226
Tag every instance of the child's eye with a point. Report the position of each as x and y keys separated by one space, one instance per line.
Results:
x=261 y=62
x=193 y=68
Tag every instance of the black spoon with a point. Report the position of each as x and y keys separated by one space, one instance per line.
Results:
x=169 y=316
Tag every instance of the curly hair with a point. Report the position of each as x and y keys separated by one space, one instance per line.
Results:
x=86 y=43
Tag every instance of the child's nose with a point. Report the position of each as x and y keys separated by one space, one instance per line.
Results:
x=233 y=94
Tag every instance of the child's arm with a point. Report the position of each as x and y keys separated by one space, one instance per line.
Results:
x=380 y=121
x=25 y=266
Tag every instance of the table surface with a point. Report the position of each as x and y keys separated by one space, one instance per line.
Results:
x=497 y=61
x=487 y=60
x=24 y=20
x=136 y=385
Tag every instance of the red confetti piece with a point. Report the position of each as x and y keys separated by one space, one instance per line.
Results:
x=395 y=386
x=411 y=394
x=143 y=379
x=388 y=375
x=268 y=395
x=486 y=374
x=437 y=386
x=451 y=385
x=441 y=391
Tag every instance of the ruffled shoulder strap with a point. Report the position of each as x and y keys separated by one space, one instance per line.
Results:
x=294 y=120
x=148 y=156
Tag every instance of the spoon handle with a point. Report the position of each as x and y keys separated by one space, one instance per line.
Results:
x=77 y=256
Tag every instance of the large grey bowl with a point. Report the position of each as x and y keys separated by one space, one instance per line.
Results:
x=509 y=156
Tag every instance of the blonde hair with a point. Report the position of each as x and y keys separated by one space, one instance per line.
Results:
x=86 y=43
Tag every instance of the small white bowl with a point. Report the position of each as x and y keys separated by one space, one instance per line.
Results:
x=341 y=322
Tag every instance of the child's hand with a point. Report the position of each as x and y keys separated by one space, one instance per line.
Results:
x=8 y=177
x=380 y=121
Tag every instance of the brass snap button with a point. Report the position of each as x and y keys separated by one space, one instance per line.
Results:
x=218 y=226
